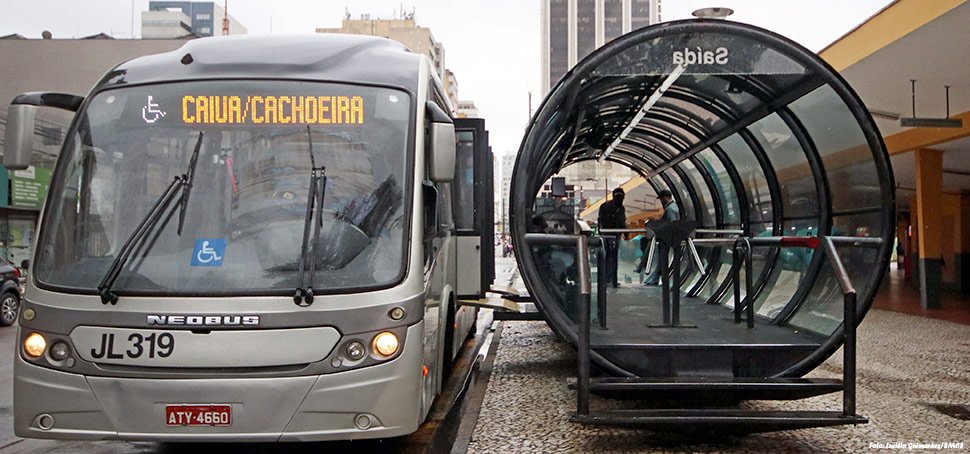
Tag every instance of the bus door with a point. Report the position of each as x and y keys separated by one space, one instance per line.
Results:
x=473 y=209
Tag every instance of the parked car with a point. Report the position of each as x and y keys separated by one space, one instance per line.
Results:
x=9 y=293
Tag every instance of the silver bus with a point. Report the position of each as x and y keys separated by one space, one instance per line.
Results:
x=248 y=239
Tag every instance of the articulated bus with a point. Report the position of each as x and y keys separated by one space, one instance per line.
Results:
x=251 y=238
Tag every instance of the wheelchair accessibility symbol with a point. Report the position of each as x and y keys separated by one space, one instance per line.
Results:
x=151 y=113
x=208 y=251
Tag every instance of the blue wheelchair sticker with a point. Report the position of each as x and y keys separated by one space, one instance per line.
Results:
x=209 y=251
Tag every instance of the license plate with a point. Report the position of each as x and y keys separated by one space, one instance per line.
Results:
x=198 y=415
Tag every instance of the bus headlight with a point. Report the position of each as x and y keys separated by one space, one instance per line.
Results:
x=385 y=344
x=34 y=345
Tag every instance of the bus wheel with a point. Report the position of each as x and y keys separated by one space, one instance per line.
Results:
x=447 y=356
x=9 y=308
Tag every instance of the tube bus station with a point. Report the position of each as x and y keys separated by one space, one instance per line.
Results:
x=237 y=247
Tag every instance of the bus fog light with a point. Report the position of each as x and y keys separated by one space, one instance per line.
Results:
x=362 y=422
x=29 y=314
x=45 y=422
x=385 y=344
x=59 y=351
x=35 y=344
x=355 y=350
x=397 y=313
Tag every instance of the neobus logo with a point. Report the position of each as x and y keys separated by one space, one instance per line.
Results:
x=700 y=56
x=204 y=320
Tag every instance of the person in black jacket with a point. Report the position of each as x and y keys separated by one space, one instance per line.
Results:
x=612 y=215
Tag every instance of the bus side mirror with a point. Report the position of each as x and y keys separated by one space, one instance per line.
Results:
x=19 y=135
x=441 y=145
x=18 y=140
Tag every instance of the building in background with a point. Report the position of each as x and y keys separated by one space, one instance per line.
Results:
x=572 y=29
x=508 y=164
x=167 y=20
x=58 y=65
x=466 y=109
x=417 y=39
x=404 y=30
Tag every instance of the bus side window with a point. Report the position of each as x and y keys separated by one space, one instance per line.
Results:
x=465 y=181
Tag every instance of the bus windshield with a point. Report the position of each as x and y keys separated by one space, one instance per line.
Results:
x=244 y=222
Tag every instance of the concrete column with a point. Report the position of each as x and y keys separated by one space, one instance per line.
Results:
x=544 y=57
x=929 y=207
x=600 y=23
x=573 y=34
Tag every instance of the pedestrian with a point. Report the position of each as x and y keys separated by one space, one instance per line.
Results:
x=671 y=213
x=612 y=215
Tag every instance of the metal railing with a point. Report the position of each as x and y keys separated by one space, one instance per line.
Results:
x=584 y=281
x=849 y=316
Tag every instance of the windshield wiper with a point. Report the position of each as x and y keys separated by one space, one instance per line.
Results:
x=308 y=253
x=187 y=185
x=180 y=183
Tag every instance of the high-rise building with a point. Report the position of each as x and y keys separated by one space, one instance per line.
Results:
x=175 y=19
x=572 y=29
x=508 y=164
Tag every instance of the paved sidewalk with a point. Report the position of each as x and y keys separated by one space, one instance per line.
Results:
x=905 y=363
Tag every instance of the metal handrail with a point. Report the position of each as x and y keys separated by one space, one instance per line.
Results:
x=714 y=241
x=719 y=231
x=610 y=231
x=743 y=255
x=849 y=317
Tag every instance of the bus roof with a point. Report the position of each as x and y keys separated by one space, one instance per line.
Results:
x=324 y=57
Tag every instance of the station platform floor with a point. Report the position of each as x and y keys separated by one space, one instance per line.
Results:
x=634 y=316
x=898 y=295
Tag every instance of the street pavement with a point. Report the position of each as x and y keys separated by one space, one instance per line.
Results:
x=905 y=364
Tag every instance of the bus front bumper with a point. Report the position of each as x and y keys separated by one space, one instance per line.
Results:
x=386 y=398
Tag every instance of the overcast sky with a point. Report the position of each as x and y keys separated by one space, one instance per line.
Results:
x=491 y=45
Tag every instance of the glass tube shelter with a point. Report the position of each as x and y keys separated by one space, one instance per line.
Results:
x=750 y=132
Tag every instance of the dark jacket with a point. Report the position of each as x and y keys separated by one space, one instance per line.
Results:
x=612 y=215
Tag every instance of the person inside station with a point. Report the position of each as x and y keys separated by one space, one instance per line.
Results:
x=671 y=213
x=612 y=215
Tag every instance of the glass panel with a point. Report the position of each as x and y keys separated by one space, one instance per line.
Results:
x=557 y=265
x=701 y=114
x=256 y=142
x=760 y=255
x=681 y=196
x=722 y=183
x=822 y=311
x=849 y=166
x=703 y=195
x=792 y=264
x=798 y=192
x=724 y=257
x=752 y=176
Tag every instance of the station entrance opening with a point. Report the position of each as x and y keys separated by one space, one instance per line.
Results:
x=767 y=153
